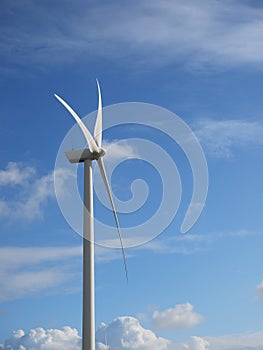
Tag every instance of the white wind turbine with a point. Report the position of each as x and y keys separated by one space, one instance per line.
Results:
x=87 y=155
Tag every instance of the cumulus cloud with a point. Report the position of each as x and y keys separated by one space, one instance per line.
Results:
x=219 y=137
x=28 y=271
x=196 y=343
x=126 y=333
x=123 y=333
x=39 y=338
x=181 y=316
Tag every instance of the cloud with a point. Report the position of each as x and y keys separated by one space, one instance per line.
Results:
x=208 y=33
x=32 y=270
x=220 y=137
x=181 y=244
x=246 y=341
x=16 y=174
x=23 y=194
x=119 y=150
x=126 y=333
x=190 y=243
x=193 y=242
x=39 y=338
x=29 y=194
x=105 y=255
x=28 y=271
x=181 y=316
x=260 y=291
x=197 y=343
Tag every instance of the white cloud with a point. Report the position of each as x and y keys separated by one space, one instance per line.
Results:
x=118 y=150
x=260 y=291
x=16 y=174
x=39 y=338
x=29 y=195
x=246 y=341
x=23 y=194
x=25 y=272
x=186 y=244
x=20 y=256
x=126 y=333
x=181 y=316
x=209 y=32
x=105 y=255
x=219 y=137
x=181 y=244
x=191 y=243
x=31 y=208
x=197 y=343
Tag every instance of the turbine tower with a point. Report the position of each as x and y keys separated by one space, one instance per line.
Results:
x=87 y=155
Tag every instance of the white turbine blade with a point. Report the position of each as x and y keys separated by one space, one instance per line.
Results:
x=98 y=124
x=105 y=180
x=92 y=144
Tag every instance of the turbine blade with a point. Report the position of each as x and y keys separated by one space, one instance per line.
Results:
x=98 y=124
x=92 y=144
x=106 y=183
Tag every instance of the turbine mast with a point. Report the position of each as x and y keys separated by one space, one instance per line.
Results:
x=88 y=315
x=88 y=303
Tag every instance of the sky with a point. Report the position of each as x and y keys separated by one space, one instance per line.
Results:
x=198 y=67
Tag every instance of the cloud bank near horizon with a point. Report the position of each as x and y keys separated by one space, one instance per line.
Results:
x=126 y=333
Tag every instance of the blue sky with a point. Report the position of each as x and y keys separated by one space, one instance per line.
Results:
x=203 y=61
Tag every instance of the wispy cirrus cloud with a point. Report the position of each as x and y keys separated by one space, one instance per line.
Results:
x=16 y=174
x=259 y=291
x=186 y=244
x=245 y=341
x=25 y=271
x=221 y=137
x=207 y=33
x=24 y=193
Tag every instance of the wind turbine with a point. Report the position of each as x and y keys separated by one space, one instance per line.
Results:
x=87 y=155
